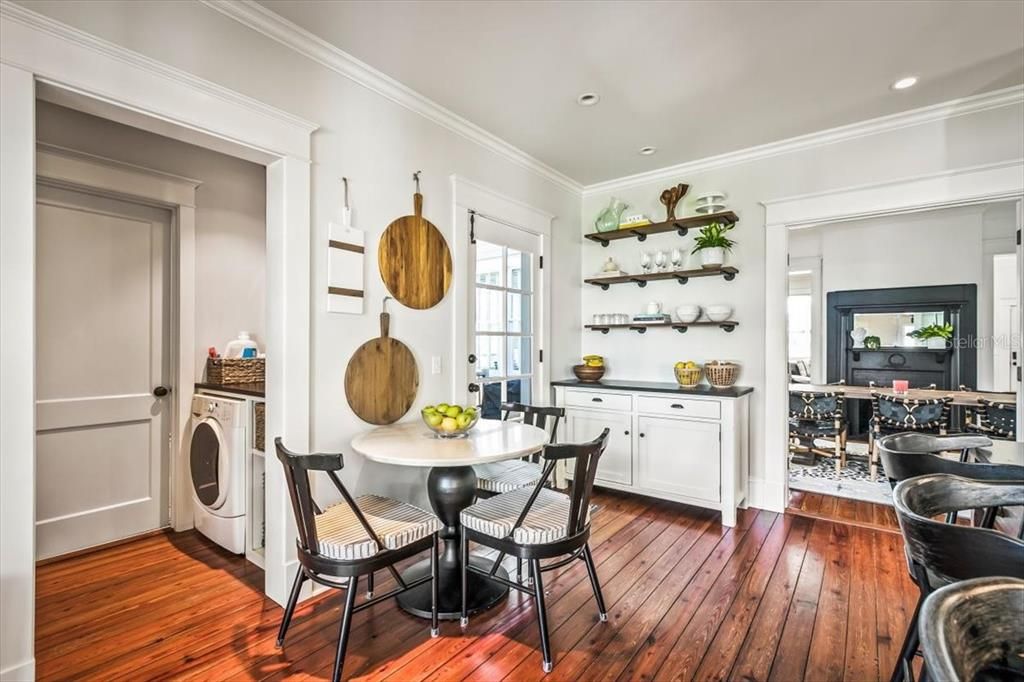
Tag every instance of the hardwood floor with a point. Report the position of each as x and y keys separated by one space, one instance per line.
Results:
x=778 y=597
x=870 y=515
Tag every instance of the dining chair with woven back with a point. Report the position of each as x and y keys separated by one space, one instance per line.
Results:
x=353 y=538
x=940 y=553
x=994 y=419
x=495 y=478
x=817 y=416
x=539 y=523
x=894 y=414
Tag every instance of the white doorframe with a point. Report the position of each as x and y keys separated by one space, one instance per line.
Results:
x=159 y=98
x=466 y=196
x=76 y=170
x=813 y=265
x=975 y=185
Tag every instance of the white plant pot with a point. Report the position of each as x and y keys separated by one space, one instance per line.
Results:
x=713 y=257
x=936 y=343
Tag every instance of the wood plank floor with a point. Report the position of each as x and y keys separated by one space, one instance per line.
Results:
x=778 y=597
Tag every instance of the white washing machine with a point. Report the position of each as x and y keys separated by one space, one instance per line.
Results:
x=217 y=467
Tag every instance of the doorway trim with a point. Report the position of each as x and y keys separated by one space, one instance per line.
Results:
x=990 y=183
x=470 y=196
x=69 y=168
x=38 y=51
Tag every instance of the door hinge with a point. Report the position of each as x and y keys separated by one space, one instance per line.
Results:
x=472 y=227
x=540 y=357
x=1018 y=237
x=1018 y=375
x=540 y=263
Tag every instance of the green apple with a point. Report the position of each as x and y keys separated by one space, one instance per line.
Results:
x=453 y=411
x=470 y=410
x=434 y=420
x=449 y=424
x=464 y=420
x=442 y=407
x=429 y=408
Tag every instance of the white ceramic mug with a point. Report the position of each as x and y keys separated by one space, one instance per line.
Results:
x=653 y=308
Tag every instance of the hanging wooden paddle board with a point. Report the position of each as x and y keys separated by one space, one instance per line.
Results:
x=414 y=259
x=382 y=379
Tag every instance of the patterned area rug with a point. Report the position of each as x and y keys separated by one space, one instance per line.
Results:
x=853 y=481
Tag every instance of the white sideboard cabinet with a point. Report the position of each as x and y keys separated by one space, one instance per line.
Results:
x=686 y=445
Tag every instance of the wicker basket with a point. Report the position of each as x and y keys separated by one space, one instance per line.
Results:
x=235 y=370
x=259 y=420
x=688 y=377
x=721 y=374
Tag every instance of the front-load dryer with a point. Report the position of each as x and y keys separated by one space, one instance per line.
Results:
x=217 y=468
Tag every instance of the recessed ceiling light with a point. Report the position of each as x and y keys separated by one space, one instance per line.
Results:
x=904 y=83
x=647 y=151
x=588 y=99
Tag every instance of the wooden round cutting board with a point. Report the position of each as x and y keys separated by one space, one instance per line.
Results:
x=414 y=259
x=381 y=379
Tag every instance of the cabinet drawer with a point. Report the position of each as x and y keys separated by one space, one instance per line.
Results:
x=679 y=407
x=599 y=400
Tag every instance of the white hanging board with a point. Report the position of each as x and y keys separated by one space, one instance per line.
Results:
x=345 y=269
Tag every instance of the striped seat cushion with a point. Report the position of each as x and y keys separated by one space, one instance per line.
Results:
x=397 y=524
x=545 y=523
x=503 y=477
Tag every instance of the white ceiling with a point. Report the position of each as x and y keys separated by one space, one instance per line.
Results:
x=693 y=78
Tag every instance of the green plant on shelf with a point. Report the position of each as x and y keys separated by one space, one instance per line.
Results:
x=713 y=237
x=933 y=331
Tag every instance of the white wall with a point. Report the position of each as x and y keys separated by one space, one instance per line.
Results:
x=231 y=225
x=947 y=246
x=377 y=144
x=968 y=140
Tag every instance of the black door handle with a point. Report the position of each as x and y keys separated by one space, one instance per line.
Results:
x=161 y=391
x=473 y=388
x=596 y=400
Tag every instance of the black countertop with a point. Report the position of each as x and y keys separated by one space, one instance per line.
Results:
x=659 y=387
x=254 y=389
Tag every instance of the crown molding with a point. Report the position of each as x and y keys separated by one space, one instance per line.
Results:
x=276 y=27
x=936 y=112
x=10 y=11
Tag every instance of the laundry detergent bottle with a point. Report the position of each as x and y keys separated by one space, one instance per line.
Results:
x=237 y=347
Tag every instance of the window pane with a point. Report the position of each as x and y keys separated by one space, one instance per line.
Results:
x=489 y=360
x=519 y=313
x=488 y=263
x=491 y=406
x=519 y=348
x=519 y=270
x=519 y=391
x=488 y=310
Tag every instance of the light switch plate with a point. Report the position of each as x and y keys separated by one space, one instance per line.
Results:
x=435 y=364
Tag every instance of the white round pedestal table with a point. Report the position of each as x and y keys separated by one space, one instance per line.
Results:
x=451 y=487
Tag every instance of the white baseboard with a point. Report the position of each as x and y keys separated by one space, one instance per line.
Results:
x=23 y=672
x=765 y=494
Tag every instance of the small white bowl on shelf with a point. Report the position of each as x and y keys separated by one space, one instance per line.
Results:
x=718 y=312
x=687 y=313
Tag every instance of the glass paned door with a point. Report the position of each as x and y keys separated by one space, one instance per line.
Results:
x=503 y=320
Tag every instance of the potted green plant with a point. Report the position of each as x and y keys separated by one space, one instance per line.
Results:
x=935 y=336
x=712 y=244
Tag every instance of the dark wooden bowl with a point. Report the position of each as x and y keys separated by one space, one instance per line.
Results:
x=588 y=375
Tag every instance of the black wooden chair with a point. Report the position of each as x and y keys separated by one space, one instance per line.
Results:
x=940 y=553
x=891 y=414
x=539 y=523
x=995 y=420
x=350 y=539
x=814 y=416
x=972 y=630
x=501 y=477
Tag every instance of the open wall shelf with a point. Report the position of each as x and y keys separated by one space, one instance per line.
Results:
x=642 y=327
x=682 y=276
x=680 y=225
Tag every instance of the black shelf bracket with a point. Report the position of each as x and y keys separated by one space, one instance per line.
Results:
x=604 y=287
x=681 y=329
x=682 y=280
x=727 y=327
x=683 y=231
x=602 y=242
x=640 y=236
x=639 y=282
x=729 y=276
x=639 y=330
x=603 y=330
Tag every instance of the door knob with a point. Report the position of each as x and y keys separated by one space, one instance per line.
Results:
x=161 y=391
x=473 y=388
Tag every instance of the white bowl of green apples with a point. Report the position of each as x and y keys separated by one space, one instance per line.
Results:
x=448 y=420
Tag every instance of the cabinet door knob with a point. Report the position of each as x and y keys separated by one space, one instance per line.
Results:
x=642 y=435
x=676 y=406
x=626 y=432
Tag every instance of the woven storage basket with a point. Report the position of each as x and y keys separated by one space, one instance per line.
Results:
x=721 y=374
x=235 y=370
x=688 y=377
x=259 y=419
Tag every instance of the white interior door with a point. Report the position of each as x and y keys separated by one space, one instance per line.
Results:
x=1005 y=322
x=102 y=320
x=504 y=316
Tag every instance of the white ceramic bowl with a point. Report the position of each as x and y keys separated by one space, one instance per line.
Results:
x=718 y=313
x=688 y=313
